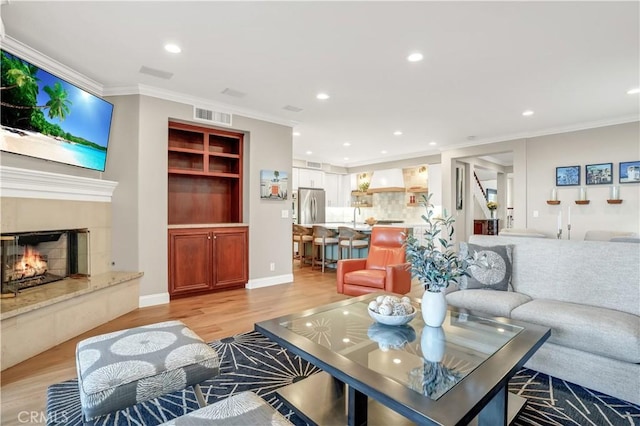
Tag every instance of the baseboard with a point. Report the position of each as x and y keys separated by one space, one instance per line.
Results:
x=269 y=281
x=153 y=299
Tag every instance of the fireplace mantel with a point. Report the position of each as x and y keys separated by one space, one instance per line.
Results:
x=27 y=183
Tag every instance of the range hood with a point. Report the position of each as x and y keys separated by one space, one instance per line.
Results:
x=389 y=180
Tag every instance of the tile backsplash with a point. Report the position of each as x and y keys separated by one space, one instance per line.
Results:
x=386 y=206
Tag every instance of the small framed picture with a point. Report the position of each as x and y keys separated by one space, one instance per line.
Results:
x=568 y=176
x=630 y=172
x=599 y=174
x=273 y=184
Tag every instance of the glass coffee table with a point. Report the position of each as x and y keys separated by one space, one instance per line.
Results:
x=378 y=374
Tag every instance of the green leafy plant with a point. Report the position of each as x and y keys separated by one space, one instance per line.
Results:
x=363 y=187
x=436 y=264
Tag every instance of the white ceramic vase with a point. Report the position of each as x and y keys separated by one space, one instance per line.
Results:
x=434 y=308
x=432 y=343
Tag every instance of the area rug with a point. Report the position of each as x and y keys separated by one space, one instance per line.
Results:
x=250 y=361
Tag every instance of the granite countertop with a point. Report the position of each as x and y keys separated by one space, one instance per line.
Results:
x=41 y=296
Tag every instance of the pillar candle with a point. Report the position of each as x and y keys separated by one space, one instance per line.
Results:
x=614 y=195
x=554 y=194
x=569 y=216
x=583 y=194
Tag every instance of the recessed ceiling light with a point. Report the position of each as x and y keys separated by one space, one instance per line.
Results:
x=397 y=133
x=322 y=96
x=415 y=57
x=296 y=133
x=432 y=143
x=172 y=48
x=527 y=113
x=346 y=144
x=309 y=152
x=383 y=152
x=634 y=91
x=346 y=158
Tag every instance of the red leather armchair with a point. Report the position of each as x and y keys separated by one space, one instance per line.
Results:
x=385 y=269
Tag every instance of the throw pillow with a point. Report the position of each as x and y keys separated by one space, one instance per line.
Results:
x=496 y=274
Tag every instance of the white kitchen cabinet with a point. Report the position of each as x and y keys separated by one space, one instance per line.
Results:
x=331 y=187
x=308 y=178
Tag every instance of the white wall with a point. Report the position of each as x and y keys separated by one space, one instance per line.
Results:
x=611 y=144
x=535 y=162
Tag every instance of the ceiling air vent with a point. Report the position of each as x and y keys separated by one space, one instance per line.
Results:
x=314 y=165
x=215 y=117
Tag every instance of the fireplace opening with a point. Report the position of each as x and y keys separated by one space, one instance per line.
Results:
x=30 y=259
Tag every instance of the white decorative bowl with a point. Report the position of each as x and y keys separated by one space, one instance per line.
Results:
x=392 y=319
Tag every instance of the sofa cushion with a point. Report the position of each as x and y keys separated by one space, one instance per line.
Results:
x=495 y=271
x=601 y=331
x=495 y=303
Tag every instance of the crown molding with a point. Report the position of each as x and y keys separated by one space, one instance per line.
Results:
x=40 y=60
x=28 y=183
x=169 y=95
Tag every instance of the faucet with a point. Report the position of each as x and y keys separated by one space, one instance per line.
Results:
x=354 y=215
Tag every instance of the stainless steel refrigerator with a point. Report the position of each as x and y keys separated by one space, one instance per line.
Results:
x=311 y=205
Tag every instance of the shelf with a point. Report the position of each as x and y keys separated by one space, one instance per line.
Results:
x=417 y=190
x=553 y=202
x=582 y=202
x=614 y=201
x=390 y=189
x=359 y=193
x=361 y=205
x=414 y=205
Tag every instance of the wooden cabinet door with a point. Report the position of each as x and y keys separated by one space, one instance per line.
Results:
x=189 y=261
x=230 y=257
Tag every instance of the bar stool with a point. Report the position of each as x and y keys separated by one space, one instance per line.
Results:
x=303 y=236
x=323 y=238
x=349 y=238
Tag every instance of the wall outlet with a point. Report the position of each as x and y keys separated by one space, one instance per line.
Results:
x=285 y=213
x=535 y=213
x=272 y=266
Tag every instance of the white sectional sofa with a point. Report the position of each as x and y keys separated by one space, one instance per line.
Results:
x=588 y=293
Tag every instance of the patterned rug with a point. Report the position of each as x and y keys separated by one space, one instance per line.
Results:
x=250 y=361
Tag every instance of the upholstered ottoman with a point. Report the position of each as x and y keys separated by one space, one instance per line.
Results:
x=245 y=409
x=123 y=368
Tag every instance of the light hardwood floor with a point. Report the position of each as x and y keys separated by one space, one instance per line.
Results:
x=212 y=316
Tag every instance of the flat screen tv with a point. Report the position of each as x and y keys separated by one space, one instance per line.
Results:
x=44 y=116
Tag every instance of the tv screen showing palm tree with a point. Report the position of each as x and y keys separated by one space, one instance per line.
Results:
x=46 y=117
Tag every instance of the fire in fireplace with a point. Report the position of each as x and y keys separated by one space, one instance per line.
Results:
x=34 y=258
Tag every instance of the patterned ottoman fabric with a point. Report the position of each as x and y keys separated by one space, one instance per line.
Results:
x=245 y=409
x=126 y=367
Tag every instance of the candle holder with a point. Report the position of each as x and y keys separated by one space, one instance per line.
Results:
x=559 y=235
x=569 y=231
x=614 y=201
x=583 y=201
x=553 y=202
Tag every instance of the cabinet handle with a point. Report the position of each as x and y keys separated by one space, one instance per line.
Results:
x=208 y=237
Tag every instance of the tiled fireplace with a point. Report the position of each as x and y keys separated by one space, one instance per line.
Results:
x=56 y=226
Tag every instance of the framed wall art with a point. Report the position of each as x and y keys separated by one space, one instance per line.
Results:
x=459 y=187
x=273 y=185
x=598 y=174
x=629 y=172
x=568 y=176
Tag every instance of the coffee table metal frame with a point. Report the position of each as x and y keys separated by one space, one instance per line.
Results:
x=481 y=396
